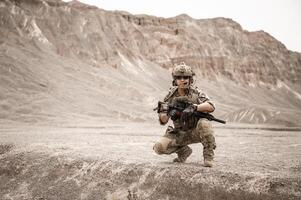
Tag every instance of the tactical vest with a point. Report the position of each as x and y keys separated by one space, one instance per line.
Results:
x=193 y=97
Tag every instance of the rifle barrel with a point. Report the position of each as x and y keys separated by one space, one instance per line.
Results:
x=209 y=117
x=219 y=120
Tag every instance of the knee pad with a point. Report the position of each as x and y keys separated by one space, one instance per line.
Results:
x=204 y=127
x=158 y=148
x=165 y=146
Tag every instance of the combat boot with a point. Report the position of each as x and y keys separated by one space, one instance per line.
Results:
x=183 y=154
x=208 y=153
x=208 y=157
x=208 y=162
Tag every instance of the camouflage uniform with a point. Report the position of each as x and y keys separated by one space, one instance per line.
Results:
x=177 y=139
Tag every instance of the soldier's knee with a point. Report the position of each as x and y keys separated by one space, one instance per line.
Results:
x=204 y=127
x=158 y=148
x=164 y=146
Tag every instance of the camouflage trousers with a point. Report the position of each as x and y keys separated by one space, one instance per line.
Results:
x=178 y=140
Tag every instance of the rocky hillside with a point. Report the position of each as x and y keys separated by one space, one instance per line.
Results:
x=69 y=61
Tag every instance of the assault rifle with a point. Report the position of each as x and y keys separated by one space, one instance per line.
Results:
x=176 y=109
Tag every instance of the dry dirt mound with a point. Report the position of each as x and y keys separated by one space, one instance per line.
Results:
x=42 y=176
x=5 y=148
x=116 y=161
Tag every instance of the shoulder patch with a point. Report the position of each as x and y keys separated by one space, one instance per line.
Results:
x=172 y=90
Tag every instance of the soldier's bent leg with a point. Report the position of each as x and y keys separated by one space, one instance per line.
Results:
x=207 y=139
x=183 y=153
x=165 y=146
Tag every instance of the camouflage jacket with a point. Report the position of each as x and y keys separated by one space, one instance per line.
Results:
x=194 y=96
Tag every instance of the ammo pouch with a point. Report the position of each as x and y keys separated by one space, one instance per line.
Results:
x=184 y=126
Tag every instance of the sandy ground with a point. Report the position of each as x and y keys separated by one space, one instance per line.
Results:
x=257 y=161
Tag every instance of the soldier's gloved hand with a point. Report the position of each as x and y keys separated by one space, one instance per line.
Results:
x=187 y=112
x=164 y=107
x=174 y=114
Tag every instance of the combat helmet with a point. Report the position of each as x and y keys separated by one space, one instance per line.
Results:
x=182 y=70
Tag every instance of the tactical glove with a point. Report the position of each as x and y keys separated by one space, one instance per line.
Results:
x=174 y=114
x=188 y=112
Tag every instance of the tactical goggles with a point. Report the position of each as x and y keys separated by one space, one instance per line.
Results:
x=182 y=77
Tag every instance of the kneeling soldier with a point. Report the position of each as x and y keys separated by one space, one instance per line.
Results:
x=187 y=128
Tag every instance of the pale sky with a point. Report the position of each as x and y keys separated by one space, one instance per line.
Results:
x=280 y=18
